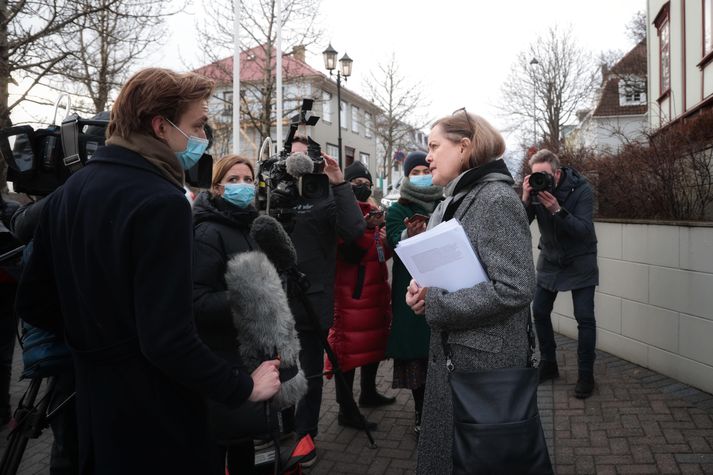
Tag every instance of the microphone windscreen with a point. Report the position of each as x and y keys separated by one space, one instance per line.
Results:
x=272 y=239
x=299 y=164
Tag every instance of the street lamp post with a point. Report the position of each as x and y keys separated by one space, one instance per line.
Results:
x=534 y=63
x=345 y=65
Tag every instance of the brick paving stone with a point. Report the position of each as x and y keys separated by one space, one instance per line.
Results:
x=637 y=421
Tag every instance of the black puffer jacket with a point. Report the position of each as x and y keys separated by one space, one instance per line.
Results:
x=220 y=230
x=568 y=243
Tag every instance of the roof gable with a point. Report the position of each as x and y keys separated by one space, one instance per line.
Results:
x=252 y=67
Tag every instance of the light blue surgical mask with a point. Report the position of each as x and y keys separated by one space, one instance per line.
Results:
x=421 y=181
x=195 y=147
x=239 y=194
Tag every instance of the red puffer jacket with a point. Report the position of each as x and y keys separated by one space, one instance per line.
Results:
x=362 y=301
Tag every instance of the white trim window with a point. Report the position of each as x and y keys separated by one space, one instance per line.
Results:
x=326 y=106
x=632 y=91
x=368 y=125
x=343 y=114
x=364 y=158
x=355 y=119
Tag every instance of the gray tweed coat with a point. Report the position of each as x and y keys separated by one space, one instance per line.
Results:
x=486 y=323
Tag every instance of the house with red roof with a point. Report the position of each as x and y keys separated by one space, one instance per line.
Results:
x=620 y=112
x=300 y=80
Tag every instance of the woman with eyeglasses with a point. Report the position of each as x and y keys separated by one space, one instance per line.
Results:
x=485 y=326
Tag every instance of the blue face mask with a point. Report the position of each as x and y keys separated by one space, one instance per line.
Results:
x=194 y=149
x=239 y=194
x=421 y=181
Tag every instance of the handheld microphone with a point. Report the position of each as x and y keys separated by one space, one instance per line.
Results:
x=272 y=239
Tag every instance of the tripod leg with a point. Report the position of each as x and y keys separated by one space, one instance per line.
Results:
x=338 y=375
x=20 y=435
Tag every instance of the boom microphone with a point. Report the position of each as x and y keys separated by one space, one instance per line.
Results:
x=265 y=325
x=272 y=239
x=299 y=164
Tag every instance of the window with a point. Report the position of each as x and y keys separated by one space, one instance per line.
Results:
x=364 y=158
x=632 y=91
x=343 y=114
x=227 y=102
x=707 y=27
x=663 y=25
x=368 y=125
x=355 y=119
x=326 y=106
x=332 y=150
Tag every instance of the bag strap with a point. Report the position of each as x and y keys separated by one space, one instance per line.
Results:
x=69 y=131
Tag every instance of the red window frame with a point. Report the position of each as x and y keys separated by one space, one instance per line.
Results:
x=663 y=27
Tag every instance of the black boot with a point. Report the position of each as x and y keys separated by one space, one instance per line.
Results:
x=548 y=370
x=375 y=400
x=355 y=421
x=585 y=386
x=417 y=424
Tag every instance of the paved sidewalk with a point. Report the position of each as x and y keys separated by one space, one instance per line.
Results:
x=637 y=421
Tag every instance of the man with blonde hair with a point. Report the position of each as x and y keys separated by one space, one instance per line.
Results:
x=113 y=251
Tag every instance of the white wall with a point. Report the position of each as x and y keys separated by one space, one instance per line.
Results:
x=654 y=303
x=610 y=133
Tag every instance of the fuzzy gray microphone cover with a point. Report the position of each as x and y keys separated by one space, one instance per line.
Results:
x=299 y=164
x=264 y=322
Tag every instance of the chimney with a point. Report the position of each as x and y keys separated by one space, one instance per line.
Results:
x=605 y=72
x=298 y=52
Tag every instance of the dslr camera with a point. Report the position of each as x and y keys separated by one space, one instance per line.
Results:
x=284 y=178
x=541 y=181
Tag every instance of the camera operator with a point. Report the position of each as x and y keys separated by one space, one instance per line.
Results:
x=8 y=320
x=568 y=260
x=319 y=224
x=113 y=251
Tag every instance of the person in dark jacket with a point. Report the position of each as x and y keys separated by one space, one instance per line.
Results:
x=362 y=304
x=568 y=261
x=221 y=229
x=319 y=223
x=409 y=337
x=8 y=320
x=113 y=250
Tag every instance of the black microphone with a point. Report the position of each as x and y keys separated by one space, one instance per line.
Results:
x=272 y=239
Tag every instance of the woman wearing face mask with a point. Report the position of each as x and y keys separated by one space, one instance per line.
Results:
x=222 y=220
x=362 y=304
x=484 y=326
x=408 y=341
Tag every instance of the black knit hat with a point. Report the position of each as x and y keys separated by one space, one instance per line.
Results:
x=414 y=159
x=357 y=170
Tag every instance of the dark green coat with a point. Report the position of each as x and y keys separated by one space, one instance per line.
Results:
x=410 y=333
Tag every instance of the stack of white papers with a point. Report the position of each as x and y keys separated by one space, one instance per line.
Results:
x=442 y=257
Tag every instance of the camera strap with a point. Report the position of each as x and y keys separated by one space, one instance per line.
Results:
x=69 y=132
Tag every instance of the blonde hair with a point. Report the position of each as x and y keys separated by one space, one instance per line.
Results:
x=486 y=142
x=223 y=165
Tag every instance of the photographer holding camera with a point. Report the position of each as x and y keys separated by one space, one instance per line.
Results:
x=562 y=201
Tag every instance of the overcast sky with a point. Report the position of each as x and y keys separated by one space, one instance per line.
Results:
x=461 y=51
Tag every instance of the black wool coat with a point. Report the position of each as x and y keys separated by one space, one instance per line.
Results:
x=113 y=250
x=568 y=242
x=221 y=231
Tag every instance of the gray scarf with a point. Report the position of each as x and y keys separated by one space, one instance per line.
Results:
x=424 y=196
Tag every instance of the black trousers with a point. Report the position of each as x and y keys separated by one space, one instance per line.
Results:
x=8 y=335
x=312 y=361
x=368 y=385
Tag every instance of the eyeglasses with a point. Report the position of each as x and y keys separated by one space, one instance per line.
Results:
x=467 y=117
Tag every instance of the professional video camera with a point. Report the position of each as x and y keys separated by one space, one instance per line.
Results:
x=41 y=160
x=288 y=176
